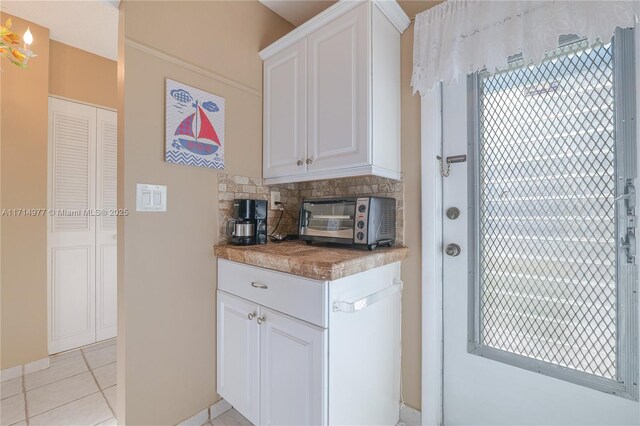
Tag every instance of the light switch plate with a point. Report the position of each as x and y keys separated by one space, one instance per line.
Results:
x=151 y=198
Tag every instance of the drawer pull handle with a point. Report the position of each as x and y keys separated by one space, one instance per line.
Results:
x=359 y=305
x=251 y=316
x=261 y=320
x=256 y=284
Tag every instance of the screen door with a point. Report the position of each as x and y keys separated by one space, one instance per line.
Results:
x=539 y=282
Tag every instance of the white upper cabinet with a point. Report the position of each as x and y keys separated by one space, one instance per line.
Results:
x=285 y=110
x=332 y=95
x=338 y=82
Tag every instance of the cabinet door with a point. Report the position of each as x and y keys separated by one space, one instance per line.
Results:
x=238 y=354
x=338 y=93
x=285 y=109
x=293 y=371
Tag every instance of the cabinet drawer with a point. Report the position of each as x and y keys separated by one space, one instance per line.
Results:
x=296 y=296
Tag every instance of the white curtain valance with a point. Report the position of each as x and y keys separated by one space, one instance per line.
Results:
x=459 y=37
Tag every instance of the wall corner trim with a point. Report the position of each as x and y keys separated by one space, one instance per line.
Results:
x=191 y=67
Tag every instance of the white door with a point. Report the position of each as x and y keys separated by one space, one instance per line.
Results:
x=293 y=387
x=285 y=118
x=541 y=194
x=338 y=92
x=106 y=251
x=71 y=233
x=238 y=354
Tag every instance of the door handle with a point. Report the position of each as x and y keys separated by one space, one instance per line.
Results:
x=452 y=250
x=261 y=320
x=300 y=163
x=256 y=284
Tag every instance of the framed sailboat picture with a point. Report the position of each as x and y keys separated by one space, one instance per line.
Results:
x=194 y=126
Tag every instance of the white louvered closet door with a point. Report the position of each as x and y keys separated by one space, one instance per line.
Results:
x=71 y=233
x=106 y=251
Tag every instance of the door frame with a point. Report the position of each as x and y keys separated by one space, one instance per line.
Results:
x=432 y=246
x=431 y=204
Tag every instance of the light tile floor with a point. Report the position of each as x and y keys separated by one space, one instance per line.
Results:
x=78 y=388
x=229 y=418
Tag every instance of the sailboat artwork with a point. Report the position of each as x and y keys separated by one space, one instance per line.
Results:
x=194 y=126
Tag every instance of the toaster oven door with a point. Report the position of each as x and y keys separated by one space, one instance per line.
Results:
x=327 y=220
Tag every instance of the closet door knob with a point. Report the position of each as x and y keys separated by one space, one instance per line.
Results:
x=261 y=320
x=309 y=161
x=251 y=316
x=300 y=163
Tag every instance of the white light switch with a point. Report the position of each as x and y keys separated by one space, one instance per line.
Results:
x=151 y=198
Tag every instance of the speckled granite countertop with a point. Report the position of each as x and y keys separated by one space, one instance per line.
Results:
x=319 y=262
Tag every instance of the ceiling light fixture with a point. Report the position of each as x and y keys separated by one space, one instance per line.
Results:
x=10 y=45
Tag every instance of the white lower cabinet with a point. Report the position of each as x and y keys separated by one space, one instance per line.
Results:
x=239 y=354
x=292 y=371
x=296 y=351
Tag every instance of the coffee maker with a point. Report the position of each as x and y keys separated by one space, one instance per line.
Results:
x=249 y=223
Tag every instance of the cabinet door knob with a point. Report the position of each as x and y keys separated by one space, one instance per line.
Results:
x=309 y=161
x=261 y=320
x=251 y=316
x=300 y=163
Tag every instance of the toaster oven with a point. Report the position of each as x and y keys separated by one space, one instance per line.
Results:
x=361 y=221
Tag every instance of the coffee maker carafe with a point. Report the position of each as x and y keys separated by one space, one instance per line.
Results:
x=249 y=223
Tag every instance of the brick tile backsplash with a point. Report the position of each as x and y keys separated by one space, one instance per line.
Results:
x=231 y=187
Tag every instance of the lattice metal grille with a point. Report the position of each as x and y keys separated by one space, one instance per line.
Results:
x=547 y=239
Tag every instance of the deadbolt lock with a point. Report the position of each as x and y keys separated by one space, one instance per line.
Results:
x=453 y=213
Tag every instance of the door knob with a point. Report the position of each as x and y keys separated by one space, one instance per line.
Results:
x=309 y=161
x=300 y=163
x=261 y=320
x=251 y=316
x=452 y=250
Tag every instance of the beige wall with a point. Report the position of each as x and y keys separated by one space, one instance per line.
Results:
x=23 y=184
x=60 y=70
x=411 y=267
x=82 y=76
x=166 y=264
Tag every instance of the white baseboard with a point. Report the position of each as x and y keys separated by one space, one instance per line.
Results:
x=207 y=414
x=38 y=365
x=19 y=370
x=219 y=408
x=10 y=373
x=409 y=416
x=198 y=419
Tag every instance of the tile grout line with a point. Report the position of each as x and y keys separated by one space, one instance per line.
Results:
x=55 y=381
x=24 y=397
x=96 y=346
x=98 y=384
x=66 y=403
